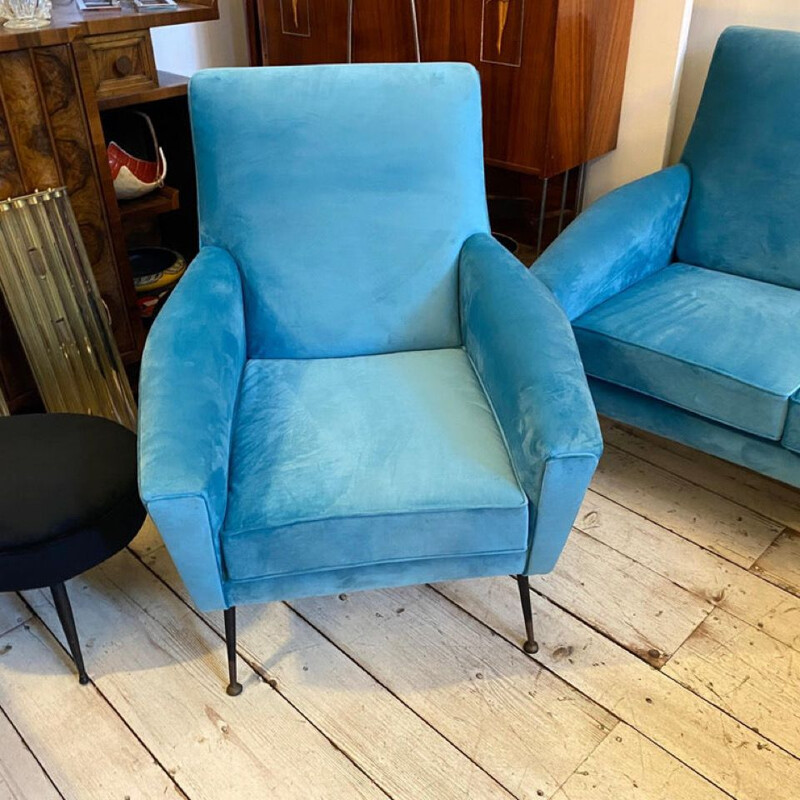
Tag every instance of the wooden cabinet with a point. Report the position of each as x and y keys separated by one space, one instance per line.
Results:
x=552 y=75
x=54 y=85
x=552 y=71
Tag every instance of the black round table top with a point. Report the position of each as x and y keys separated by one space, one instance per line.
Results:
x=68 y=496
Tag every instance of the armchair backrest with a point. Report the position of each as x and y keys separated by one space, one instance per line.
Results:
x=744 y=156
x=344 y=193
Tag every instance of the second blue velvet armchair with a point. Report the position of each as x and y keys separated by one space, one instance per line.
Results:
x=684 y=286
x=354 y=386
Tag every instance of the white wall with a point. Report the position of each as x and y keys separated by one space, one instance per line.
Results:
x=658 y=39
x=709 y=19
x=186 y=48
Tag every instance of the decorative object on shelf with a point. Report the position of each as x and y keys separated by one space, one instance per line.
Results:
x=136 y=176
x=26 y=14
x=59 y=315
x=98 y=5
x=155 y=268
x=155 y=5
x=156 y=271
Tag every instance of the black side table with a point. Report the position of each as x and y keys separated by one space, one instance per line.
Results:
x=68 y=501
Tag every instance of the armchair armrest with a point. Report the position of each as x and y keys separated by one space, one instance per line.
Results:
x=524 y=352
x=187 y=396
x=625 y=236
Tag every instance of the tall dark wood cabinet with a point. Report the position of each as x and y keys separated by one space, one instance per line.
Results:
x=57 y=86
x=552 y=73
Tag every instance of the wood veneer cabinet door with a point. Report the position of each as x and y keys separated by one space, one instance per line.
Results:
x=552 y=71
x=589 y=60
x=337 y=31
x=385 y=30
x=305 y=31
x=511 y=44
x=44 y=143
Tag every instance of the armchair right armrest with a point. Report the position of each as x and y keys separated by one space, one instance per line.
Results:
x=189 y=384
x=625 y=236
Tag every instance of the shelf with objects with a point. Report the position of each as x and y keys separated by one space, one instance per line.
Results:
x=150 y=160
x=61 y=86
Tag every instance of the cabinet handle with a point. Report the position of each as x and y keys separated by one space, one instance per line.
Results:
x=123 y=66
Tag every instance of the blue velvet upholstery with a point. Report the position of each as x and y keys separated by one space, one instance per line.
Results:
x=189 y=382
x=345 y=196
x=525 y=355
x=617 y=242
x=695 y=338
x=381 y=458
x=673 y=343
x=754 y=452
x=354 y=385
x=743 y=155
x=791 y=434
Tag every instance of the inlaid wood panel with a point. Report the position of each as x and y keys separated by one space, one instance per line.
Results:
x=27 y=122
x=514 y=81
x=552 y=71
x=10 y=179
x=322 y=35
x=44 y=142
x=44 y=115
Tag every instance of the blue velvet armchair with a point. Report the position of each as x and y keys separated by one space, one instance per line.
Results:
x=684 y=287
x=354 y=386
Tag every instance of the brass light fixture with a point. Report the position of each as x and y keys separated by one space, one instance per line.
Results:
x=47 y=281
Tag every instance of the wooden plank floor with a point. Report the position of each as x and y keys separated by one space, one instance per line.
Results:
x=669 y=667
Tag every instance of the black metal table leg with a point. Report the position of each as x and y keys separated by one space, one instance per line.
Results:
x=530 y=645
x=234 y=687
x=64 y=609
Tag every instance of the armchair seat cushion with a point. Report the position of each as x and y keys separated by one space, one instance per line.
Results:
x=721 y=346
x=341 y=462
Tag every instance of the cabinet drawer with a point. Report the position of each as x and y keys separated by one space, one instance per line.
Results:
x=122 y=63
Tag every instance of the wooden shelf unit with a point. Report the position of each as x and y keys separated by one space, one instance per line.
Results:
x=57 y=87
x=161 y=201
x=169 y=85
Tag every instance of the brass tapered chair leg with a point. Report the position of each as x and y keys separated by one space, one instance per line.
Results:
x=234 y=687
x=530 y=645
